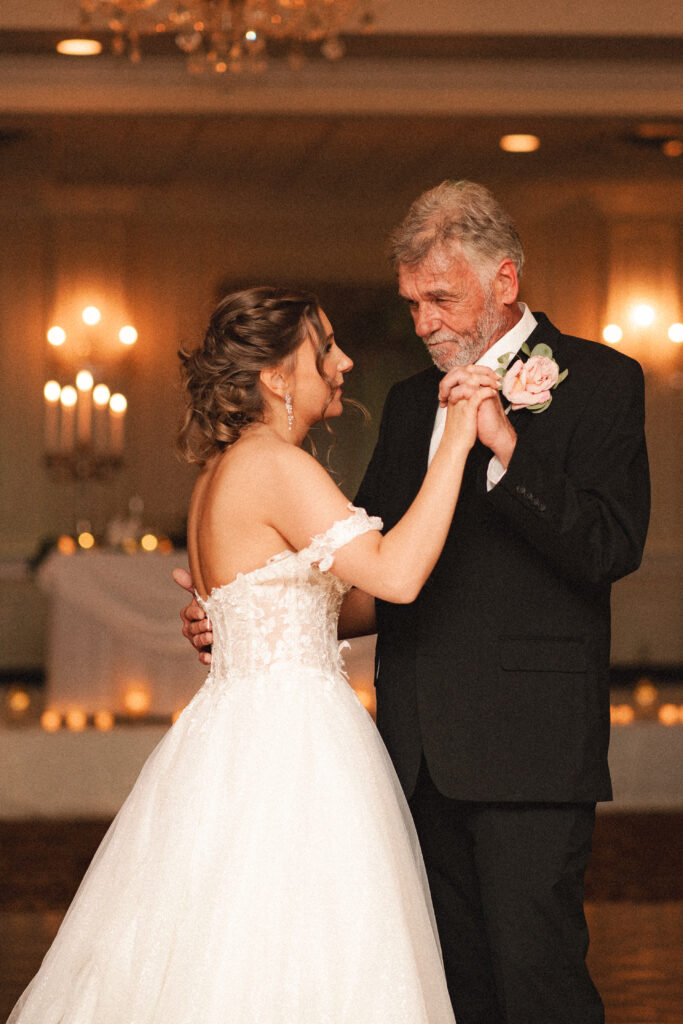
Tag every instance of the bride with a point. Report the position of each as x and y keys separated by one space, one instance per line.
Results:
x=265 y=869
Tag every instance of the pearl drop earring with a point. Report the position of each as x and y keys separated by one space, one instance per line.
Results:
x=290 y=410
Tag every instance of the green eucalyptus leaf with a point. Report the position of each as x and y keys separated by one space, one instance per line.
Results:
x=542 y=350
x=525 y=349
x=560 y=378
x=539 y=408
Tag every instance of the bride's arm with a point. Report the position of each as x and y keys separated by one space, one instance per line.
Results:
x=305 y=502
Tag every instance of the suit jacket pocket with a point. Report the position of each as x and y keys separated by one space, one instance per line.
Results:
x=543 y=654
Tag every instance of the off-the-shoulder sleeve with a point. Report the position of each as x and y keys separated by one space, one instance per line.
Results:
x=322 y=548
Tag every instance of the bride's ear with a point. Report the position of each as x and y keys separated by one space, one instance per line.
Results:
x=275 y=381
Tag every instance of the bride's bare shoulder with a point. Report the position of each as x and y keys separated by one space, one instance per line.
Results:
x=263 y=464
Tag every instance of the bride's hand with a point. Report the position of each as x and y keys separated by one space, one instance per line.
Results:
x=461 y=414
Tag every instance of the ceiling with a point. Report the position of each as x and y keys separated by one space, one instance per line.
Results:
x=427 y=98
x=315 y=152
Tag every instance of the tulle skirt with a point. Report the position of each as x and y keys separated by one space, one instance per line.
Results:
x=263 y=870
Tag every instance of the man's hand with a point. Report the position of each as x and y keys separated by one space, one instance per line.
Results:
x=196 y=626
x=495 y=431
x=493 y=427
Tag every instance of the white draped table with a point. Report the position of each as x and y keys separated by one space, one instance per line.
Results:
x=113 y=626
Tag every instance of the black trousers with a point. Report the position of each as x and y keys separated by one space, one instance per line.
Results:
x=507 y=886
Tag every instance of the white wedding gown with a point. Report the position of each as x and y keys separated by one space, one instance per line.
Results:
x=265 y=868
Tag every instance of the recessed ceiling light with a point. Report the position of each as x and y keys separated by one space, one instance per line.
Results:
x=520 y=143
x=79 y=47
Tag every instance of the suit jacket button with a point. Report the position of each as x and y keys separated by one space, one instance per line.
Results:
x=521 y=489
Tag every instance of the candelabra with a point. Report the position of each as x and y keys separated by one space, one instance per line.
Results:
x=84 y=420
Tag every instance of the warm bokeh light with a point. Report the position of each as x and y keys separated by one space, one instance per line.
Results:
x=52 y=391
x=51 y=720
x=84 y=380
x=18 y=701
x=149 y=542
x=675 y=333
x=68 y=396
x=86 y=540
x=91 y=315
x=250 y=36
x=104 y=721
x=621 y=714
x=643 y=315
x=56 y=336
x=76 y=719
x=66 y=545
x=668 y=714
x=165 y=546
x=672 y=147
x=79 y=47
x=128 y=335
x=645 y=694
x=118 y=403
x=519 y=143
x=101 y=395
x=137 y=699
x=613 y=334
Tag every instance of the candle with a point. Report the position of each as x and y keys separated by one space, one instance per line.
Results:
x=68 y=399
x=117 y=412
x=51 y=391
x=84 y=383
x=100 y=397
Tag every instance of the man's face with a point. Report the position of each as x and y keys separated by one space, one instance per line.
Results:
x=456 y=316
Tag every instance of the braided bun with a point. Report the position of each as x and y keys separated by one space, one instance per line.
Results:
x=249 y=331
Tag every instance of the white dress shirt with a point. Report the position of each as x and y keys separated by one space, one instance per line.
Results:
x=510 y=343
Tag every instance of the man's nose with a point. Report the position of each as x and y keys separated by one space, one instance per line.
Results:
x=426 y=321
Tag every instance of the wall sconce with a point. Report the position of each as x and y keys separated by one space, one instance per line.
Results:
x=84 y=420
x=643 y=311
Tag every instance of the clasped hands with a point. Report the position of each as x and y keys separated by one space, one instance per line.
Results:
x=493 y=427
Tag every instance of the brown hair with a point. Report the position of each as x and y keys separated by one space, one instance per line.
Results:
x=249 y=331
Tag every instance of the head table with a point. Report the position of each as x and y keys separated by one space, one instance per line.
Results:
x=114 y=629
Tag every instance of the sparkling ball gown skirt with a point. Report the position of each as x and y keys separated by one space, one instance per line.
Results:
x=265 y=868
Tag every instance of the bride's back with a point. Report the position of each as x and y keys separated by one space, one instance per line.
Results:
x=232 y=508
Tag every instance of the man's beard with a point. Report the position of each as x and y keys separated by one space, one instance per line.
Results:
x=490 y=326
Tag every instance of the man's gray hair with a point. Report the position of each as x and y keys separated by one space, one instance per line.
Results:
x=461 y=212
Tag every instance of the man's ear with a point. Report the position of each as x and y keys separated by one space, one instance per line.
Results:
x=506 y=282
x=274 y=380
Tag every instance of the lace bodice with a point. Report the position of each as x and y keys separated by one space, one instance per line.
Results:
x=285 y=613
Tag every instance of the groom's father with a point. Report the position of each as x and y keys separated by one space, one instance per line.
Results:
x=492 y=687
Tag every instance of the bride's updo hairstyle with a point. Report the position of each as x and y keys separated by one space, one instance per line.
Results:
x=249 y=331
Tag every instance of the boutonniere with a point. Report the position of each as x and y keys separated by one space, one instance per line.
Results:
x=528 y=385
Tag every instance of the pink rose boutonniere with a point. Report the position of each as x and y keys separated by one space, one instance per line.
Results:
x=528 y=385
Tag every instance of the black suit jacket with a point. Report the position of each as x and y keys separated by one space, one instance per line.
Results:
x=499 y=670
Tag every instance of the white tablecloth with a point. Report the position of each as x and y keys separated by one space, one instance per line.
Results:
x=113 y=624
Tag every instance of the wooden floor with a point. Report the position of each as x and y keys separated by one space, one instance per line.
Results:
x=635 y=908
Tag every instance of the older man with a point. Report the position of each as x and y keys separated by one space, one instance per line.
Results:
x=492 y=687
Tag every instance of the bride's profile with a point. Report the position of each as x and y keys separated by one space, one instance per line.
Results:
x=265 y=869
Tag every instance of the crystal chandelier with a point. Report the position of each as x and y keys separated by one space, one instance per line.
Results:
x=230 y=35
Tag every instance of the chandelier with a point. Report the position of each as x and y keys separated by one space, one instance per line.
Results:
x=230 y=35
